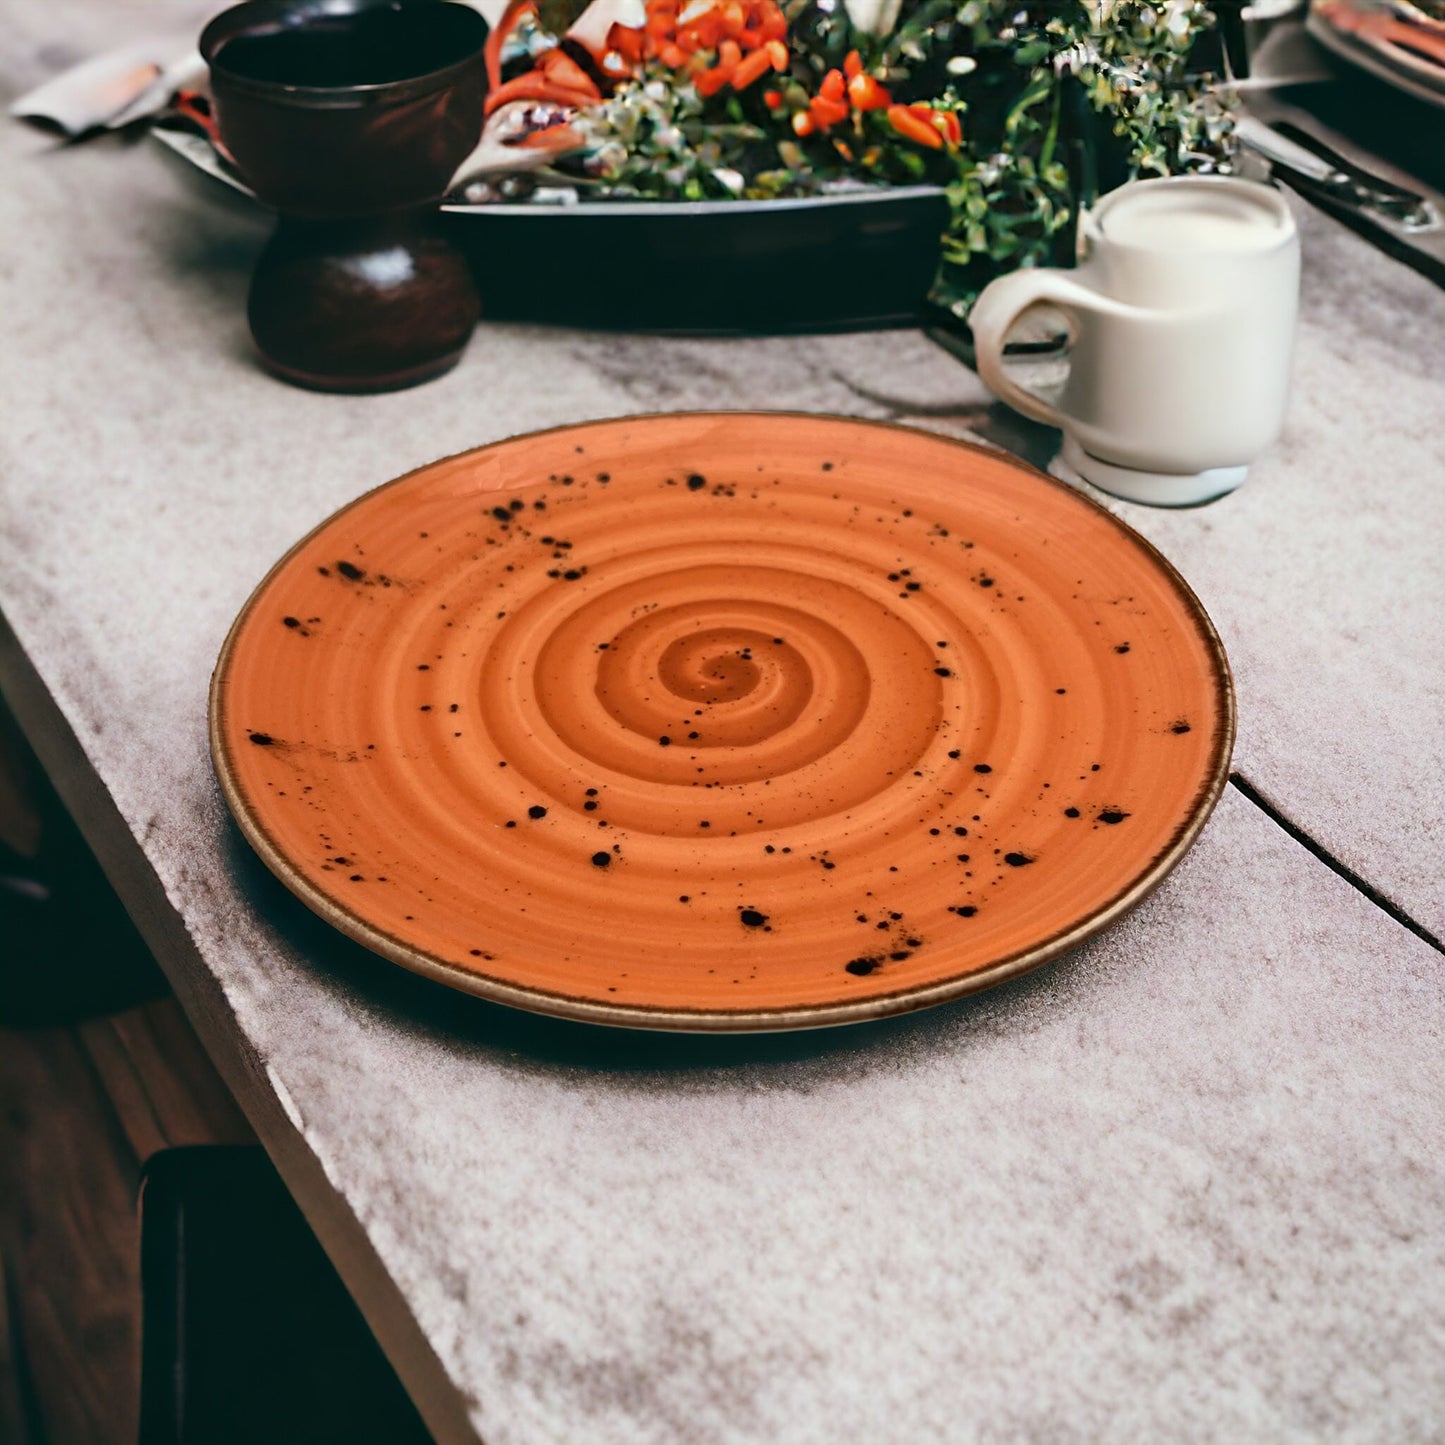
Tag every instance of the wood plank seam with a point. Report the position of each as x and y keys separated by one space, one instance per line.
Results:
x=1342 y=870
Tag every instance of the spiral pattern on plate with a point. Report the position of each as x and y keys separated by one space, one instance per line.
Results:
x=722 y=721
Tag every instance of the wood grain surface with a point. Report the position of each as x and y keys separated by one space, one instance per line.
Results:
x=83 y=1107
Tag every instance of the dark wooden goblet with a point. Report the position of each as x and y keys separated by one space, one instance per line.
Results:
x=350 y=117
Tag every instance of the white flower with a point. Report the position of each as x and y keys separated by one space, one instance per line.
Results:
x=874 y=17
x=1179 y=18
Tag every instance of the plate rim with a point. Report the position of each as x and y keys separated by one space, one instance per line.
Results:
x=1401 y=71
x=177 y=142
x=730 y=1021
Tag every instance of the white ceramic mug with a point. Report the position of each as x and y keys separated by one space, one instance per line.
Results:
x=1181 y=316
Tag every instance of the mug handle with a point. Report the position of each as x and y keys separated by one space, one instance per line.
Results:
x=1000 y=305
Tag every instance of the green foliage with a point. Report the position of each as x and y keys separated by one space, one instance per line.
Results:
x=1056 y=100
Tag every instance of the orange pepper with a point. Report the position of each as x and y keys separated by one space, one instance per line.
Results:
x=853 y=64
x=803 y=123
x=555 y=138
x=535 y=86
x=709 y=82
x=827 y=112
x=866 y=93
x=561 y=69
x=704 y=32
x=716 y=39
x=911 y=126
x=944 y=121
x=757 y=65
x=492 y=50
x=833 y=87
x=628 y=43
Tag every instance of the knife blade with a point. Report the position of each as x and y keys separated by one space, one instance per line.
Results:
x=1297 y=155
x=1367 y=194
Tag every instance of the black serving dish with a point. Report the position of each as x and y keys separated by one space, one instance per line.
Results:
x=823 y=263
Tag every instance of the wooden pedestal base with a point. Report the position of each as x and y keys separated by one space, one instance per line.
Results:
x=361 y=305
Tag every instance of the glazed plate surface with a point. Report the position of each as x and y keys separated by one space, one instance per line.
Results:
x=722 y=721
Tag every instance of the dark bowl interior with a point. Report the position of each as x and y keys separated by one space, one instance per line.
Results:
x=340 y=44
x=344 y=108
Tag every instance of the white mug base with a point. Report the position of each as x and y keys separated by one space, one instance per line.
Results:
x=1154 y=489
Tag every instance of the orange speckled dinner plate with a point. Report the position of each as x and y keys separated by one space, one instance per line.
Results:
x=722 y=721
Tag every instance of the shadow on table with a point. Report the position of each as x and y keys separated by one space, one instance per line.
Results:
x=406 y=1001
x=210 y=252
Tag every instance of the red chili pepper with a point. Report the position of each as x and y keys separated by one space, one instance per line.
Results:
x=492 y=50
x=703 y=34
x=834 y=87
x=853 y=64
x=866 y=93
x=555 y=138
x=630 y=44
x=944 y=121
x=561 y=69
x=716 y=39
x=912 y=126
x=828 y=112
x=709 y=82
x=757 y=65
x=534 y=86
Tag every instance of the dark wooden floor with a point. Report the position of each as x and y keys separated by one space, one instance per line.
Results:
x=98 y=1070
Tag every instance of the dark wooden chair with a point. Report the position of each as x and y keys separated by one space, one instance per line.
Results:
x=248 y=1335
